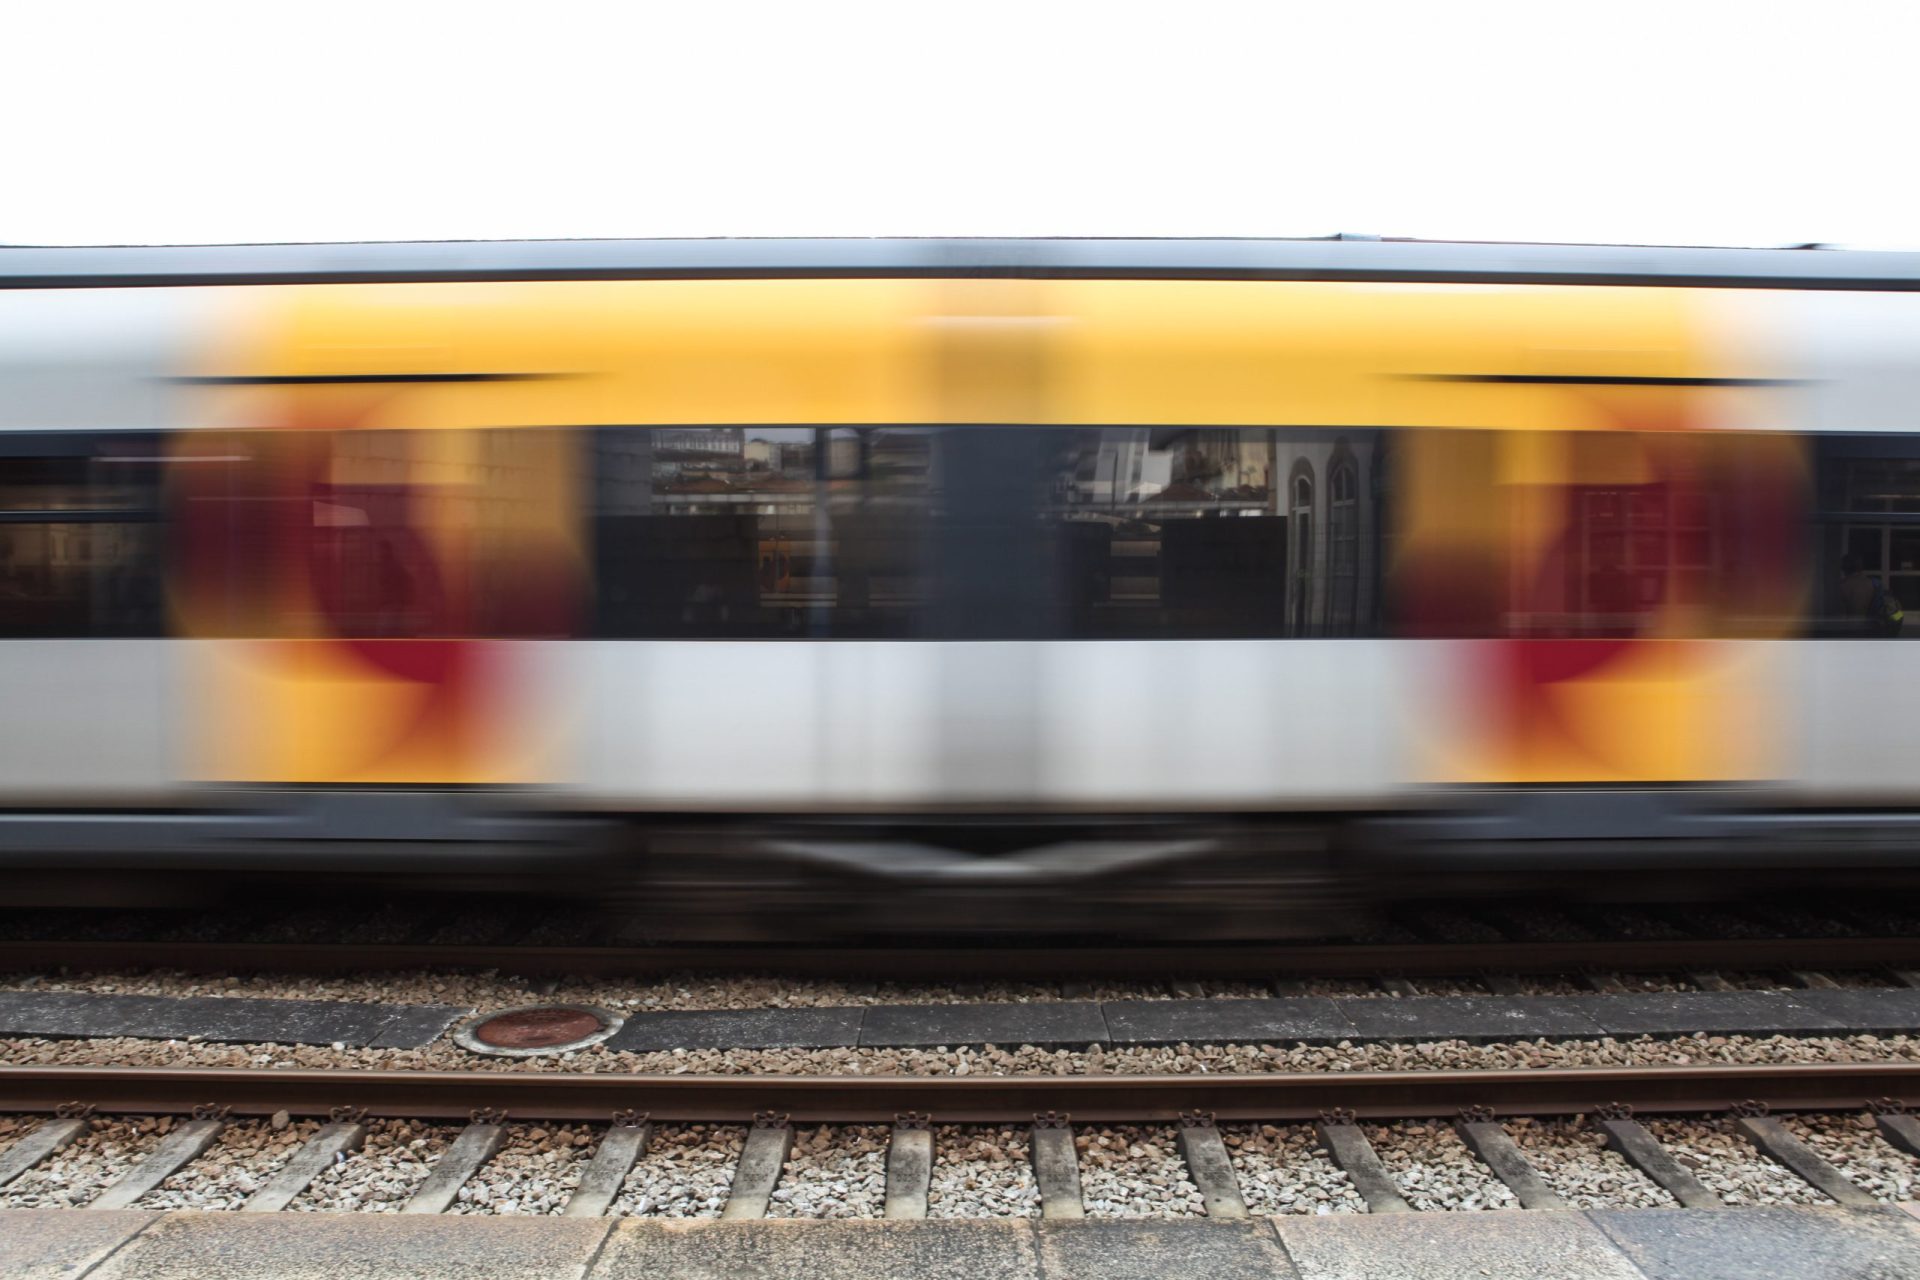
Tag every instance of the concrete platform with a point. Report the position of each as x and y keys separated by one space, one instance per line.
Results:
x=1771 y=1244
x=232 y=1020
x=834 y=1028
x=1048 y=1024
x=1641 y=1244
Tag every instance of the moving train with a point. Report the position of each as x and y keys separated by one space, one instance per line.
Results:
x=922 y=585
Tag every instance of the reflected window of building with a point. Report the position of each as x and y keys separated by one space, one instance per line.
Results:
x=1300 y=589
x=1343 y=545
x=1868 y=526
x=760 y=531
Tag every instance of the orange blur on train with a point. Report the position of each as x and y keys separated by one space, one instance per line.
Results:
x=1043 y=586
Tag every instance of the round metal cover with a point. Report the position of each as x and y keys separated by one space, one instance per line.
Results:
x=528 y=1031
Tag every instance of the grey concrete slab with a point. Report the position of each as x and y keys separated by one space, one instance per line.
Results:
x=1308 y=1019
x=1757 y=1013
x=416 y=1026
x=1513 y=1244
x=1890 y=1010
x=804 y=1249
x=1061 y=1025
x=1472 y=1018
x=1766 y=1243
x=738 y=1029
x=355 y=1246
x=47 y=1244
x=237 y=1020
x=1117 y=1249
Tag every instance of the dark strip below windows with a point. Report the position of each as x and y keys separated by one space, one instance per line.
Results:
x=346 y=379
x=1606 y=380
x=96 y=515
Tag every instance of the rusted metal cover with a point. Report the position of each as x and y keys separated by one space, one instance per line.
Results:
x=537 y=1028
x=532 y=1030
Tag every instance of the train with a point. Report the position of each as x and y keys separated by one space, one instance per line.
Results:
x=923 y=586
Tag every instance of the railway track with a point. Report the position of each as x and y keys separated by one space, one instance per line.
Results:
x=1334 y=1103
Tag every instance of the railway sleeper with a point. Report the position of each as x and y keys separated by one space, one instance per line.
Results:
x=911 y=1155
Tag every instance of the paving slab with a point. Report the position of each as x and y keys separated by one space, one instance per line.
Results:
x=188 y=1245
x=1752 y=1013
x=802 y=1249
x=1511 y=1244
x=1772 y=1243
x=738 y=1029
x=1307 y=1019
x=53 y=1244
x=1472 y=1018
x=1053 y=1025
x=233 y=1020
x=1161 y=1250
x=1890 y=1011
x=417 y=1026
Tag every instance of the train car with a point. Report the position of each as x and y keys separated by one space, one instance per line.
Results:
x=1027 y=585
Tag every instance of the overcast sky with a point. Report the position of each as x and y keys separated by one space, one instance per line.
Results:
x=1672 y=122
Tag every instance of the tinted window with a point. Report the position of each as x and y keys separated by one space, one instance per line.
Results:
x=1866 y=530
x=985 y=533
x=79 y=538
x=761 y=531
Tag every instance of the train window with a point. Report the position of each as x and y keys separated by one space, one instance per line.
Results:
x=978 y=532
x=761 y=531
x=79 y=539
x=1186 y=533
x=1866 y=531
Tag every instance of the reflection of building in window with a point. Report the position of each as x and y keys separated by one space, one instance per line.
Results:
x=1869 y=499
x=1300 y=553
x=1185 y=531
x=1343 y=543
x=79 y=551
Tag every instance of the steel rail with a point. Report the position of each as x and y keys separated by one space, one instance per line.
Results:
x=1264 y=960
x=551 y=1096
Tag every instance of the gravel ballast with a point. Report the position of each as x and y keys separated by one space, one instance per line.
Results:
x=383 y=1175
x=1135 y=1171
x=1434 y=1169
x=76 y=1175
x=833 y=1172
x=239 y=1162
x=686 y=1172
x=982 y=1172
x=1729 y=1165
x=1283 y=1169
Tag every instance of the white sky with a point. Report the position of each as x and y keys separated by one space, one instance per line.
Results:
x=1674 y=122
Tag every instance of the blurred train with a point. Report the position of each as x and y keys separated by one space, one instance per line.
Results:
x=909 y=586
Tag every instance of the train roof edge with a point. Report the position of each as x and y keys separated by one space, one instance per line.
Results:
x=1337 y=259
